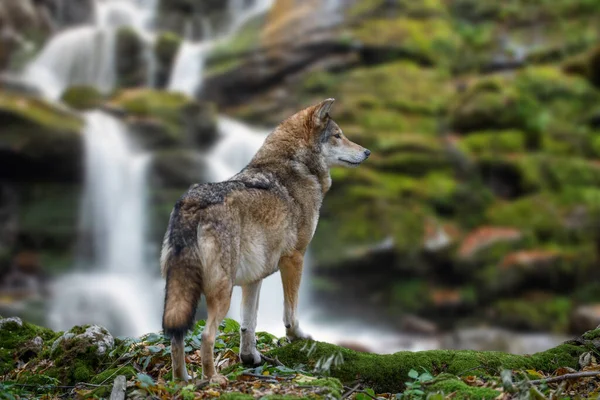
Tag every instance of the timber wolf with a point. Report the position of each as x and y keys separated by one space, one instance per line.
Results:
x=240 y=231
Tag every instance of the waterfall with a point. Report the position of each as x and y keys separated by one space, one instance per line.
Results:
x=118 y=292
x=86 y=55
x=77 y=56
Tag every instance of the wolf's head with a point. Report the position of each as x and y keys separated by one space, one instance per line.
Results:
x=312 y=132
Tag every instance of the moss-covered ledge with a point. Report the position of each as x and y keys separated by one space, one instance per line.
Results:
x=387 y=373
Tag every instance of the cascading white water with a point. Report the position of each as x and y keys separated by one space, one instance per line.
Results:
x=119 y=292
x=187 y=70
x=86 y=55
x=77 y=56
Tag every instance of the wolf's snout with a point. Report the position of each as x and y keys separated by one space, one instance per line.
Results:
x=367 y=153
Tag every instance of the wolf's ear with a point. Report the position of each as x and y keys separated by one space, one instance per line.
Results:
x=322 y=110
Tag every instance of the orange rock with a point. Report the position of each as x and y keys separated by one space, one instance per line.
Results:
x=485 y=236
x=528 y=258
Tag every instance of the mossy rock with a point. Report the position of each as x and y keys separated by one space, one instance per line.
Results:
x=178 y=168
x=174 y=116
x=41 y=141
x=387 y=373
x=427 y=41
x=229 y=54
x=448 y=384
x=495 y=104
x=14 y=335
x=131 y=67
x=586 y=65
x=82 y=97
x=489 y=143
x=166 y=46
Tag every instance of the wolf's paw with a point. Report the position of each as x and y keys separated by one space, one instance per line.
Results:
x=182 y=376
x=294 y=334
x=219 y=379
x=251 y=359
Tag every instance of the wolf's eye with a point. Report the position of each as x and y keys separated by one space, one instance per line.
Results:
x=337 y=136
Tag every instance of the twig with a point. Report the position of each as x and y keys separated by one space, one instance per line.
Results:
x=574 y=375
x=272 y=361
x=349 y=392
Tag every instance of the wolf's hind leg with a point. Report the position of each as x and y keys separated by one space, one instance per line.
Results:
x=250 y=296
x=178 y=359
x=291 y=275
x=218 y=298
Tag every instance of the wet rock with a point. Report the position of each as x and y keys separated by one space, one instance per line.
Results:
x=82 y=97
x=585 y=317
x=192 y=19
x=165 y=50
x=172 y=118
x=416 y=324
x=178 y=168
x=81 y=339
x=71 y=12
x=483 y=237
x=10 y=322
x=130 y=63
x=40 y=141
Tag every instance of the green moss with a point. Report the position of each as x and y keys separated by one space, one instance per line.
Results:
x=490 y=142
x=334 y=385
x=81 y=372
x=82 y=97
x=164 y=108
x=460 y=390
x=166 y=47
x=130 y=63
x=494 y=104
x=37 y=112
x=14 y=337
x=586 y=65
x=386 y=373
x=591 y=335
x=229 y=54
x=429 y=41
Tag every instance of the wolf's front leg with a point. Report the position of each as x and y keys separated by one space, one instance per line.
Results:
x=250 y=296
x=291 y=275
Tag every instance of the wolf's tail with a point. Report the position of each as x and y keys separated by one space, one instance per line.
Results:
x=182 y=293
x=183 y=272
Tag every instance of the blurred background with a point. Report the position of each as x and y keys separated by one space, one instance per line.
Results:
x=474 y=224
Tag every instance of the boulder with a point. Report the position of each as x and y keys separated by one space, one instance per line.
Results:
x=40 y=141
x=173 y=118
x=131 y=66
x=80 y=340
x=82 y=97
x=165 y=50
x=585 y=317
x=178 y=168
